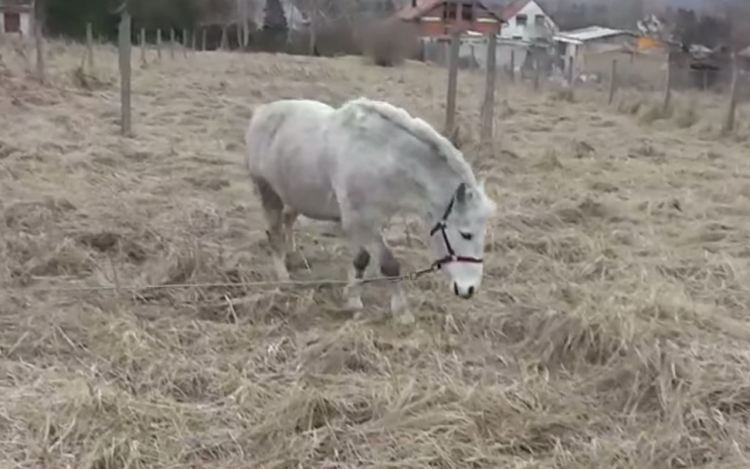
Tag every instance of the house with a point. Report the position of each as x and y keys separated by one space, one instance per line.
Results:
x=573 y=47
x=16 y=17
x=439 y=18
x=526 y=20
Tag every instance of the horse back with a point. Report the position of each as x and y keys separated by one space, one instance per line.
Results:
x=286 y=147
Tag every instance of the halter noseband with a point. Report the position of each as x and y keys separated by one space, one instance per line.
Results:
x=451 y=257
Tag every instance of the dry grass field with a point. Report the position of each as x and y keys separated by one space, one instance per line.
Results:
x=612 y=330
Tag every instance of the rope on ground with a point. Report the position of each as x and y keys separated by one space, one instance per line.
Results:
x=166 y=286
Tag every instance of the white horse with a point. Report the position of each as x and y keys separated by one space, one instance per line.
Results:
x=359 y=165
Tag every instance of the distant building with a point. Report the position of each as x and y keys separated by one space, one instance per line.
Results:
x=525 y=20
x=438 y=18
x=574 y=46
x=16 y=17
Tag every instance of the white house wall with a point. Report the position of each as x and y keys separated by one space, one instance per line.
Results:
x=474 y=51
x=503 y=53
x=527 y=32
x=26 y=24
x=578 y=52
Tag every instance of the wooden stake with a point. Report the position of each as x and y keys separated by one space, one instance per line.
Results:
x=729 y=122
x=224 y=38
x=39 y=40
x=512 y=71
x=90 y=45
x=184 y=42
x=571 y=62
x=143 y=46
x=171 y=43
x=667 y=86
x=612 y=82
x=158 y=43
x=125 y=49
x=450 y=108
x=203 y=40
x=488 y=107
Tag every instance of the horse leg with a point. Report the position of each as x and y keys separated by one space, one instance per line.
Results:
x=273 y=209
x=290 y=217
x=360 y=237
x=353 y=290
x=390 y=267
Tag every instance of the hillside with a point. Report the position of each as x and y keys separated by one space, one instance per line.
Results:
x=612 y=329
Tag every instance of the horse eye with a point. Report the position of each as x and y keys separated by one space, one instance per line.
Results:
x=466 y=236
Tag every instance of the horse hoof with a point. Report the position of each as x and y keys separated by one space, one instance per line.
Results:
x=354 y=304
x=406 y=319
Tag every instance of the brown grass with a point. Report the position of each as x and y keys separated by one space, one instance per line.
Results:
x=612 y=331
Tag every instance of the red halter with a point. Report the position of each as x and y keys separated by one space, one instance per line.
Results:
x=451 y=257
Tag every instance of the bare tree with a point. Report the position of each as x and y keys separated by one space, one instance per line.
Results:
x=39 y=18
x=246 y=13
x=326 y=14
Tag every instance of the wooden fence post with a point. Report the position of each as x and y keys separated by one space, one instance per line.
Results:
x=667 y=86
x=203 y=40
x=90 y=45
x=450 y=108
x=612 y=81
x=184 y=42
x=39 y=40
x=488 y=107
x=571 y=62
x=171 y=43
x=537 y=71
x=224 y=38
x=143 y=46
x=193 y=40
x=732 y=110
x=158 y=43
x=512 y=71
x=125 y=49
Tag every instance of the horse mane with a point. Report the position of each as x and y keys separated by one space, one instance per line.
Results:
x=420 y=129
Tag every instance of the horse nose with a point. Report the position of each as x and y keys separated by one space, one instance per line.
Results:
x=465 y=294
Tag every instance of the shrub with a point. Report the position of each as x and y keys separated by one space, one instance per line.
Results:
x=389 y=43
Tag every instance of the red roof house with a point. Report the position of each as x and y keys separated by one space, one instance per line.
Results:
x=439 y=18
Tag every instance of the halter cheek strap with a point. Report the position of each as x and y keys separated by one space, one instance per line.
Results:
x=451 y=256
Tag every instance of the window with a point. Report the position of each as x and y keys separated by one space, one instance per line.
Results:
x=450 y=12
x=539 y=20
x=467 y=12
x=521 y=20
x=11 y=22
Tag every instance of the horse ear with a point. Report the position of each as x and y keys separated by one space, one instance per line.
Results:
x=461 y=194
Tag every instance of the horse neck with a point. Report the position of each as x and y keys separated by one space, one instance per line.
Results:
x=433 y=179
